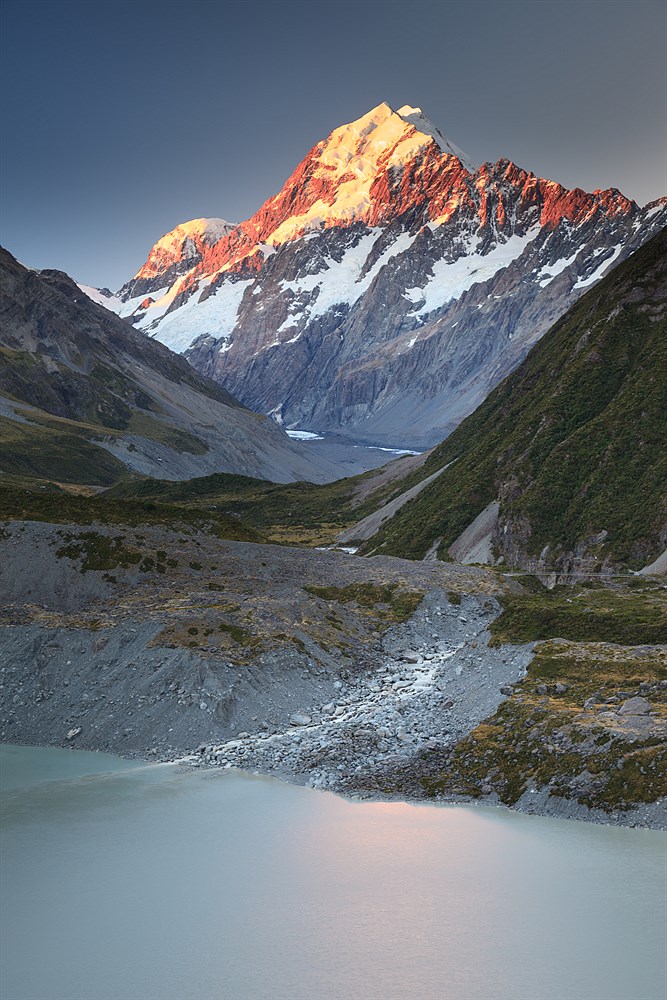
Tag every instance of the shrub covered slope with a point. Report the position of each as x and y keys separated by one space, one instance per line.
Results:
x=572 y=444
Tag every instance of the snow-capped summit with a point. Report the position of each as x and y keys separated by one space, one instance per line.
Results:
x=388 y=285
x=175 y=254
x=416 y=117
x=184 y=244
x=343 y=172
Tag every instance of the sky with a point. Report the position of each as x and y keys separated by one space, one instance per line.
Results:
x=121 y=119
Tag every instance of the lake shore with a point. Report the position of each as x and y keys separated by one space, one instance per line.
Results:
x=371 y=677
x=374 y=735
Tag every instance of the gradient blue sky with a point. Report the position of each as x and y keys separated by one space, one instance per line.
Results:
x=122 y=119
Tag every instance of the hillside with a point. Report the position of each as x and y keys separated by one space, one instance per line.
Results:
x=85 y=398
x=571 y=446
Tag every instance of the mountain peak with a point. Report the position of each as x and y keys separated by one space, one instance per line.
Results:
x=343 y=178
x=384 y=119
x=183 y=246
x=208 y=230
x=416 y=117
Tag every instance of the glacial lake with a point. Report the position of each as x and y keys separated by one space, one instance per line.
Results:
x=148 y=882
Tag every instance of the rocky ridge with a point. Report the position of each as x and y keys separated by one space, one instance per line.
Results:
x=561 y=470
x=436 y=680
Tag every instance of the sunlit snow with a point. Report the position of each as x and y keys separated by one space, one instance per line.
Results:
x=126 y=308
x=357 y=152
x=176 y=240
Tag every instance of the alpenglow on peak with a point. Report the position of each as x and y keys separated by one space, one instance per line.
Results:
x=416 y=117
x=355 y=298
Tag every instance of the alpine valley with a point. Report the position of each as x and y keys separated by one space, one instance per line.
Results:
x=482 y=620
x=387 y=287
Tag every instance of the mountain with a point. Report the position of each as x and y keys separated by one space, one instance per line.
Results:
x=388 y=286
x=84 y=398
x=564 y=466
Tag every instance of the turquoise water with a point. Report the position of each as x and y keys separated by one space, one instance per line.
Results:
x=142 y=882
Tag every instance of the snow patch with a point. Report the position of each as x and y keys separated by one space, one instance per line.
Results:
x=214 y=317
x=551 y=271
x=601 y=270
x=416 y=117
x=339 y=284
x=654 y=211
x=304 y=435
x=179 y=241
x=450 y=280
x=110 y=302
x=392 y=451
x=358 y=152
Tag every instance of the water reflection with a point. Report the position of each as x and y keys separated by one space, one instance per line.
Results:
x=157 y=882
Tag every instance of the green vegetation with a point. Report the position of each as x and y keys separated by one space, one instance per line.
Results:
x=393 y=603
x=291 y=513
x=44 y=501
x=54 y=447
x=52 y=453
x=573 y=442
x=623 y=615
x=99 y=552
x=103 y=396
x=173 y=437
x=241 y=636
x=542 y=736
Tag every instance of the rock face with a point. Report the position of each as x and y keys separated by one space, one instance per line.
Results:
x=388 y=286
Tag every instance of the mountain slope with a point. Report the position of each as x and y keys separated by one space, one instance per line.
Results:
x=571 y=447
x=388 y=286
x=84 y=397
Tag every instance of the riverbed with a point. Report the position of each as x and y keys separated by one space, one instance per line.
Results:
x=136 y=881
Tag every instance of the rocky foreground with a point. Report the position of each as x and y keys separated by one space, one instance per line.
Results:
x=436 y=680
x=369 y=677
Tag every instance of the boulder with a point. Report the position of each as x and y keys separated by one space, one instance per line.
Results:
x=635 y=706
x=299 y=719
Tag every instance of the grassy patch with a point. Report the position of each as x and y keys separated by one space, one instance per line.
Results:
x=625 y=615
x=99 y=552
x=392 y=602
x=173 y=437
x=241 y=636
x=285 y=513
x=26 y=501
x=542 y=737
x=60 y=390
x=52 y=453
